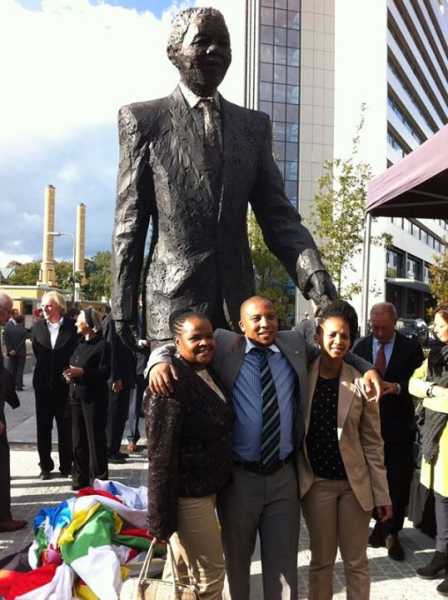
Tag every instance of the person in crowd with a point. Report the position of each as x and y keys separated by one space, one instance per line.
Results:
x=266 y=372
x=121 y=382
x=341 y=463
x=7 y=394
x=88 y=374
x=15 y=336
x=136 y=398
x=307 y=327
x=54 y=340
x=430 y=382
x=190 y=456
x=396 y=357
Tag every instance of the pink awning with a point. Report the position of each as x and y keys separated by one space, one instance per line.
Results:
x=417 y=186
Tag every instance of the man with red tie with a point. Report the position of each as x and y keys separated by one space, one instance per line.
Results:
x=395 y=357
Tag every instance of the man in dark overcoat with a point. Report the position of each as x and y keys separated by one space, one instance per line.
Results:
x=396 y=358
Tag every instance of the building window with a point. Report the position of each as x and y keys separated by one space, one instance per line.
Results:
x=413 y=269
x=426 y=273
x=394 y=263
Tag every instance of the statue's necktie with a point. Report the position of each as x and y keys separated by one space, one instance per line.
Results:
x=380 y=361
x=212 y=143
x=270 y=432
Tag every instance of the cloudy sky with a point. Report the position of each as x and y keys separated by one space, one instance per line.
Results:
x=67 y=66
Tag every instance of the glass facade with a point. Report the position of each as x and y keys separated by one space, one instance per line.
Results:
x=417 y=107
x=278 y=84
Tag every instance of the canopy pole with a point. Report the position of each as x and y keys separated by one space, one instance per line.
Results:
x=365 y=274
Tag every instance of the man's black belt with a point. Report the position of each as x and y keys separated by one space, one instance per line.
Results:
x=259 y=468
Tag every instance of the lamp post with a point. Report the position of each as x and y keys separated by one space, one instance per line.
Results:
x=70 y=235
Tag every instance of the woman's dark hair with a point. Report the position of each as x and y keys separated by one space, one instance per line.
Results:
x=342 y=310
x=178 y=318
x=442 y=309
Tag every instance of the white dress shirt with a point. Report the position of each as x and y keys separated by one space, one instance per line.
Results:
x=54 y=328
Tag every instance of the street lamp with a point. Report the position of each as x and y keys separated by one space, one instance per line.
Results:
x=70 y=235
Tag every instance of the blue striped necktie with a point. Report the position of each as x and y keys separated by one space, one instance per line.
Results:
x=270 y=432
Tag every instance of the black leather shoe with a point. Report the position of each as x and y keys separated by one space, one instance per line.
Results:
x=436 y=567
x=394 y=547
x=118 y=458
x=442 y=588
x=377 y=539
x=45 y=475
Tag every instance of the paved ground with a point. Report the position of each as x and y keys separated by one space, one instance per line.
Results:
x=390 y=580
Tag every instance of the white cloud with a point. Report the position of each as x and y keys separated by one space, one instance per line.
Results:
x=6 y=258
x=66 y=69
x=73 y=64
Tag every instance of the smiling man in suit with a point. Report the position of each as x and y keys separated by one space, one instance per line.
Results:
x=53 y=338
x=190 y=164
x=396 y=358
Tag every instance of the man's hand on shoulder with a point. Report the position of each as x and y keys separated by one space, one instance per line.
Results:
x=161 y=379
x=372 y=385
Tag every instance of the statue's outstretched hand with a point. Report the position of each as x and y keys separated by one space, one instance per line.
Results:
x=321 y=289
x=128 y=334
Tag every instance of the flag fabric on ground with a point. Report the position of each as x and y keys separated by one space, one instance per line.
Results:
x=81 y=547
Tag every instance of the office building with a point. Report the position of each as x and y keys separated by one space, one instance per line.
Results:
x=311 y=64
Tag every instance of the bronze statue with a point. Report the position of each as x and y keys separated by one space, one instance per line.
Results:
x=190 y=164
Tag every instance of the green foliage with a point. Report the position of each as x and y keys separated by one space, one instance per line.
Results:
x=338 y=217
x=270 y=276
x=439 y=277
x=98 y=276
x=25 y=274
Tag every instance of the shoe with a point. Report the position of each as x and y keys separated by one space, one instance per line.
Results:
x=437 y=564
x=12 y=525
x=394 y=547
x=118 y=458
x=442 y=588
x=79 y=486
x=132 y=447
x=45 y=475
x=377 y=538
x=65 y=473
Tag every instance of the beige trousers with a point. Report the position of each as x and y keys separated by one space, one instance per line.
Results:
x=335 y=518
x=197 y=547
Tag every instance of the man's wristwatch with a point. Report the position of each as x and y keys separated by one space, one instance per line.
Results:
x=430 y=390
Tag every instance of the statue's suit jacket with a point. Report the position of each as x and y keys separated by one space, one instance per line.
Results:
x=199 y=253
x=360 y=442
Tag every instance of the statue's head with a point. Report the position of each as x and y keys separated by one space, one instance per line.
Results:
x=199 y=46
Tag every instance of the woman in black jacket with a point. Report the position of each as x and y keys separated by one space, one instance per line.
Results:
x=190 y=457
x=87 y=374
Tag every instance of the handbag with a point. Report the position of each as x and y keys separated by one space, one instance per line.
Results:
x=146 y=587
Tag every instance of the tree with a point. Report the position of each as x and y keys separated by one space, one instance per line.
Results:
x=271 y=278
x=25 y=274
x=98 y=275
x=438 y=282
x=338 y=217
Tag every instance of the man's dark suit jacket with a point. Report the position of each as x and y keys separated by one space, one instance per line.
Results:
x=397 y=412
x=14 y=337
x=51 y=362
x=122 y=359
x=199 y=255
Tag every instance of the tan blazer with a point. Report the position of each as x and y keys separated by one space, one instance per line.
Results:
x=360 y=441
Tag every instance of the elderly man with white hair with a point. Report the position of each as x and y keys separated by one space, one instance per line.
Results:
x=7 y=394
x=54 y=338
